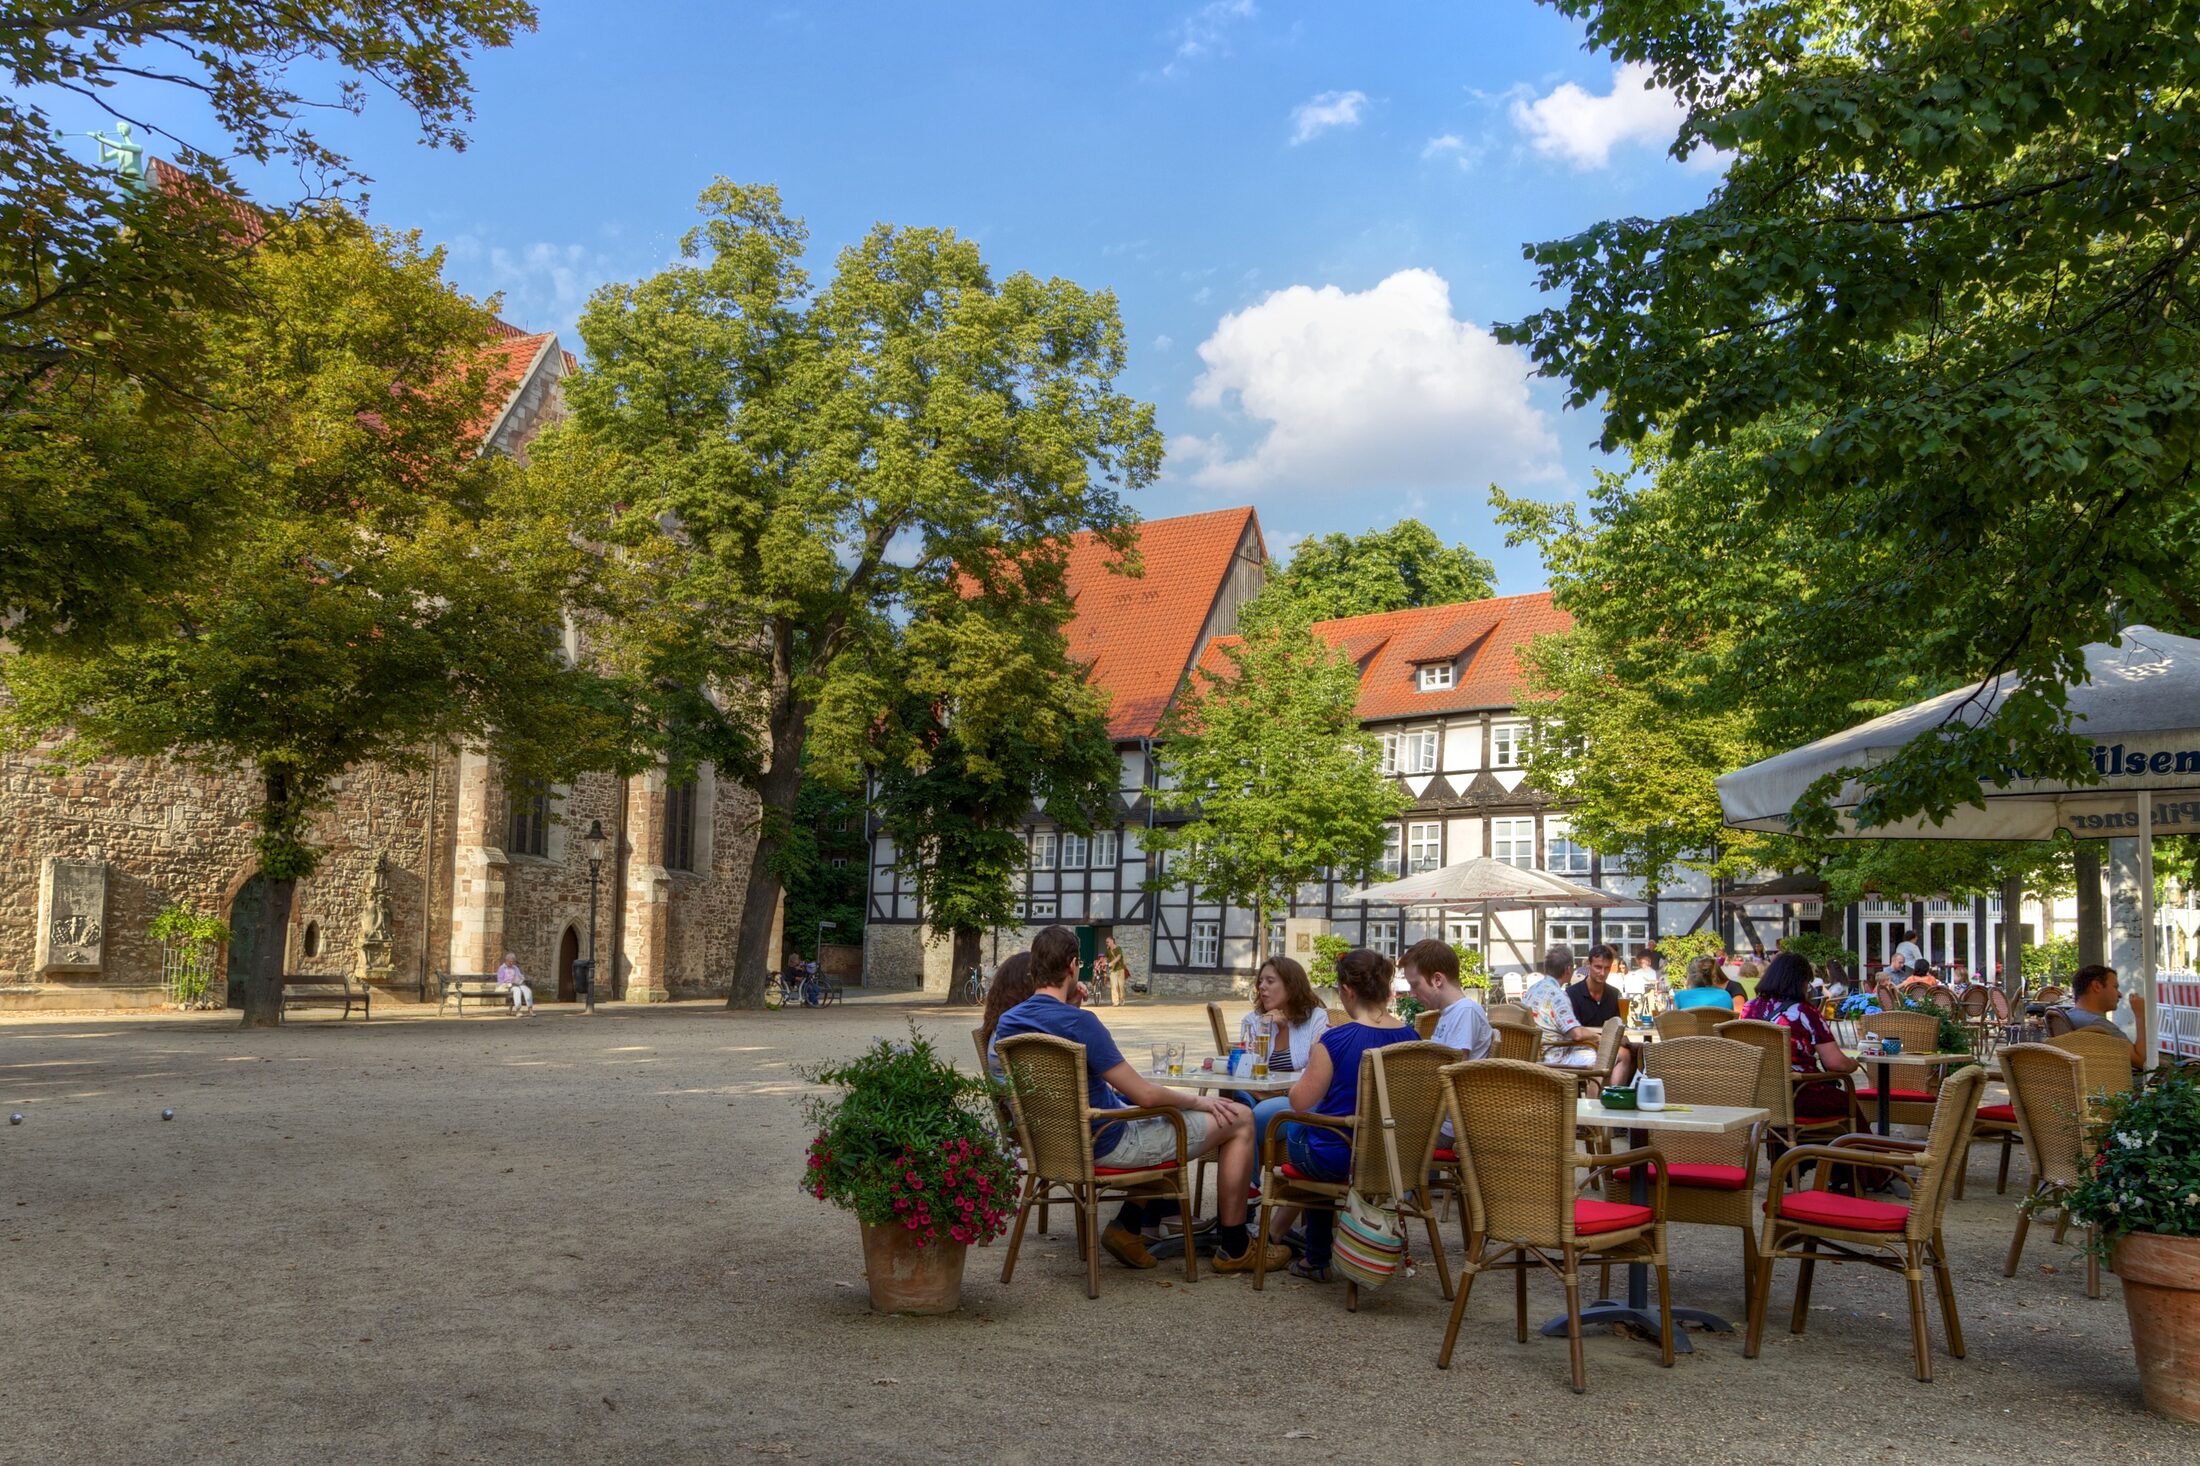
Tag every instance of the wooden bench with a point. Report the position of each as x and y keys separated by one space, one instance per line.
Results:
x=326 y=990
x=482 y=987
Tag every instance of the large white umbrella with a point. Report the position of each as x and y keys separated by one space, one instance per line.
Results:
x=2139 y=703
x=1483 y=882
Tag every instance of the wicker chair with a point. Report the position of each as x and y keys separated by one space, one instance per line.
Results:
x=1713 y=1178
x=1691 y=1022
x=1046 y=1079
x=1516 y=1143
x=2055 y=1022
x=1424 y=1023
x=1221 y=1029
x=1004 y=1115
x=2105 y=1055
x=1393 y=1137
x=1521 y=1041
x=2047 y=1091
x=1509 y=1013
x=1978 y=1016
x=1777 y=1084
x=1885 y=1234
x=1920 y=1034
x=1338 y=1017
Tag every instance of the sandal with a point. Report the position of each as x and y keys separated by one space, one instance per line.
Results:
x=1301 y=1268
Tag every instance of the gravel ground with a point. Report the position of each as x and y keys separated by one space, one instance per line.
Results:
x=577 y=1238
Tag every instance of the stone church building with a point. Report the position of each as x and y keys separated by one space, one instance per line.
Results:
x=440 y=868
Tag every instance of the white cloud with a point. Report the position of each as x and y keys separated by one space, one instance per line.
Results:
x=1311 y=118
x=1163 y=343
x=1451 y=145
x=1373 y=389
x=1206 y=32
x=1582 y=129
x=544 y=285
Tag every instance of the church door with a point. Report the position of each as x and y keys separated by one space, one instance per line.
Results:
x=569 y=952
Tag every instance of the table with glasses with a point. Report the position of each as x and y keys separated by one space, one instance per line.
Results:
x=1203 y=1080
x=1886 y=1064
x=1636 y=1311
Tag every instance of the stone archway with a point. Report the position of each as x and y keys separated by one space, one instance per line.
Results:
x=569 y=952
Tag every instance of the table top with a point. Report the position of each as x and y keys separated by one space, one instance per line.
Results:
x=1217 y=1079
x=1690 y=1119
x=1932 y=1060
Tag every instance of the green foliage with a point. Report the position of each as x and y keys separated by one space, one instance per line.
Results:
x=827 y=822
x=909 y=1139
x=1955 y=1035
x=1408 y=1006
x=199 y=935
x=791 y=474
x=106 y=288
x=2055 y=957
x=1473 y=971
x=1681 y=950
x=1818 y=949
x=1931 y=330
x=2147 y=1177
x=1270 y=762
x=1327 y=949
x=1390 y=569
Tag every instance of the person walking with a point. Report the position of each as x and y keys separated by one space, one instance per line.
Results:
x=1119 y=975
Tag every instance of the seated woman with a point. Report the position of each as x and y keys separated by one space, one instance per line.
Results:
x=1706 y=987
x=1331 y=1086
x=1783 y=998
x=1284 y=997
x=1012 y=983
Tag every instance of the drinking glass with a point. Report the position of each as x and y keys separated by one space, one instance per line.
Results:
x=1160 y=1059
x=1176 y=1061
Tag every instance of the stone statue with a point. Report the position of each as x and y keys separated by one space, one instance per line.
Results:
x=377 y=934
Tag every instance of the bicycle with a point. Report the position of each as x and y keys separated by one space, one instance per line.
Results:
x=975 y=983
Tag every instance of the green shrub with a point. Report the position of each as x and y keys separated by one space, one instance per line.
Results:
x=2055 y=957
x=1681 y=950
x=1954 y=1036
x=2146 y=1176
x=1818 y=949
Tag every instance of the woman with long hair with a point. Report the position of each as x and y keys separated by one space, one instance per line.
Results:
x=1284 y=999
x=1012 y=983
x=1783 y=997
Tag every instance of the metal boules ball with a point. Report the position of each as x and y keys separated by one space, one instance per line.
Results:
x=16 y=1118
x=168 y=1114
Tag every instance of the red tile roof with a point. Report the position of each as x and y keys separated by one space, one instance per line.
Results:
x=1484 y=638
x=1137 y=636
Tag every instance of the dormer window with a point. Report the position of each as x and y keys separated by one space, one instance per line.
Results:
x=1436 y=676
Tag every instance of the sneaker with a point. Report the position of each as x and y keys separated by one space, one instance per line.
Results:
x=1126 y=1246
x=1301 y=1268
x=1278 y=1256
x=1174 y=1227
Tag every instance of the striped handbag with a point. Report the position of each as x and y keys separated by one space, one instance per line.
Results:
x=1371 y=1241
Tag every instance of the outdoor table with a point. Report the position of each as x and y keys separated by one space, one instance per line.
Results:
x=1206 y=1079
x=1888 y=1063
x=1674 y=1119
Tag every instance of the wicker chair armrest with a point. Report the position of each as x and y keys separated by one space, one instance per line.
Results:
x=1642 y=1155
x=1848 y=1155
x=1889 y=1144
x=1273 y=1150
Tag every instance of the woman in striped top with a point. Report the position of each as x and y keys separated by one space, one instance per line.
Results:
x=1285 y=999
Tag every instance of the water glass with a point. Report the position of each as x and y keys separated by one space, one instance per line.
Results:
x=1160 y=1060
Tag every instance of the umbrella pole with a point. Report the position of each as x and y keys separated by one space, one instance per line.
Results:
x=2142 y=1007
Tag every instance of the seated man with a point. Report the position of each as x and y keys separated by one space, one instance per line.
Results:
x=1595 y=1002
x=1565 y=1042
x=1432 y=975
x=1210 y=1124
x=2094 y=994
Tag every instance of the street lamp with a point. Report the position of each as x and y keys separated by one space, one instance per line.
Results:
x=597 y=843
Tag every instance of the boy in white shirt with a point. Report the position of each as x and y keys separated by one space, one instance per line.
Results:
x=1432 y=975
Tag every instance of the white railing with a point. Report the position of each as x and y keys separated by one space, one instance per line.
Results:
x=2177 y=1013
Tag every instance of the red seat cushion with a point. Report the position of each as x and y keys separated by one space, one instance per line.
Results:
x=2007 y=1114
x=1832 y=1209
x=1445 y=1155
x=1592 y=1217
x=1131 y=1170
x=1711 y=1178
x=1898 y=1096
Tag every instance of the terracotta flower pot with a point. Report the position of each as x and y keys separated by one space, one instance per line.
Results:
x=2161 y=1278
x=906 y=1278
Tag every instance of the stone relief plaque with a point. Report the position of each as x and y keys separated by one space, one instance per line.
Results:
x=72 y=915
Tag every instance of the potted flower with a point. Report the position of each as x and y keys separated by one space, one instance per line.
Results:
x=2143 y=1194
x=908 y=1145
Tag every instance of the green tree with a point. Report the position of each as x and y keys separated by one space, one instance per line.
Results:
x=827 y=825
x=1391 y=569
x=787 y=473
x=971 y=724
x=1268 y=759
x=1951 y=260
x=108 y=282
x=382 y=591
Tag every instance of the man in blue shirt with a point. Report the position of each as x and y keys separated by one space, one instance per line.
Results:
x=1211 y=1123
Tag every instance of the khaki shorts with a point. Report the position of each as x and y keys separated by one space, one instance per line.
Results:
x=1152 y=1142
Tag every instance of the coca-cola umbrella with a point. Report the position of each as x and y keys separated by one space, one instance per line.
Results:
x=2139 y=703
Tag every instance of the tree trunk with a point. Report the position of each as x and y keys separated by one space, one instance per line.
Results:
x=962 y=956
x=776 y=789
x=2012 y=937
x=2092 y=923
x=263 y=993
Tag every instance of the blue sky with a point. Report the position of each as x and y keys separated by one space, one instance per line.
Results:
x=1311 y=213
